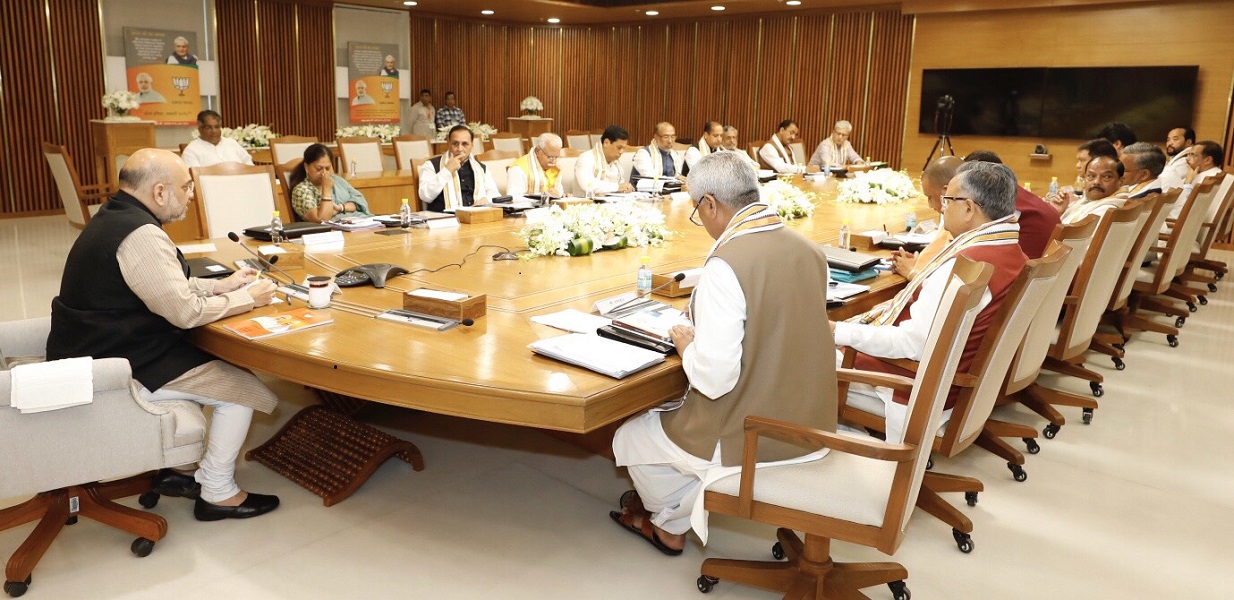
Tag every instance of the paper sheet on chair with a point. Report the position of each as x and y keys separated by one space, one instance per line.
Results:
x=53 y=385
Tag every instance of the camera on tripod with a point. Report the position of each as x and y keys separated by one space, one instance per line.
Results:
x=944 y=114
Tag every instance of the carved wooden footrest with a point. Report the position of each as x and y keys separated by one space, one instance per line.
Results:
x=331 y=454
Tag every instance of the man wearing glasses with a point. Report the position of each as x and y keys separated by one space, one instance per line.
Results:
x=126 y=293
x=657 y=160
x=979 y=211
x=536 y=172
x=753 y=349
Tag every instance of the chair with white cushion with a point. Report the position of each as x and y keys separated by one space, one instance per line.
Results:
x=363 y=152
x=569 y=156
x=863 y=491
x=578 y=138
x=289 y=147
x=507 y=142
x=80 y=201
x=61 y=455
x=233 y=197
x=409 y=147
x=497 y=161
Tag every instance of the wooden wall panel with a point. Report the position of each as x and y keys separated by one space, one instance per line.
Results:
x=29 y=109
x=775 y=80
x=882 y=131
x=650 y=81
x=847 y=85
x=239 y=74
x=680 y=82
x=812 y=71
x=279 y=69
x=545 y=76
x=624 y=74
x=744 y=80
x=79 y=79
x=710 y=77
x=315 y=71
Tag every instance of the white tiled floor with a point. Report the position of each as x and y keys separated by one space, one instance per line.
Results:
x=1136 y=505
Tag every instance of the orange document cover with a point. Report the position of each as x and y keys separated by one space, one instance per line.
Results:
x=287 y=321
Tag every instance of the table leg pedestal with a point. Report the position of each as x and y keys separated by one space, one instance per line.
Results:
x=331 y=454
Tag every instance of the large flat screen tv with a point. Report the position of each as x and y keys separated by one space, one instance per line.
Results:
x=1063 y=102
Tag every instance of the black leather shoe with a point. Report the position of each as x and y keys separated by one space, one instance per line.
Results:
x=254 y=505
x=179 y=485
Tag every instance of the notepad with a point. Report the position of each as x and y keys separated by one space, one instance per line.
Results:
x=255 y=328
x=574 y=321
x=604 y=356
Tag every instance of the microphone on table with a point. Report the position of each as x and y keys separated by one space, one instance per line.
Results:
x=467 y=322
x=268 y=264
x=676 y=279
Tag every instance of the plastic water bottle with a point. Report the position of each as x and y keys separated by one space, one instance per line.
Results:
x=845 y=239
x=910 y=221
x=404 y=215
x=1028 y=186
x=644 y=277
x=352 y=172
x=276 y=228
x=1053 y=192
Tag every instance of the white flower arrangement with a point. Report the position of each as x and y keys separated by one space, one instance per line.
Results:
x=481 y=130
x=249 y=136
x=585 y=228
x=123 y=101
x=881 y=186
x=531 y=104
x=384 y=132
x=788 y=200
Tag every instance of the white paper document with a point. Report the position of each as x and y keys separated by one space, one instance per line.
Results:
x=839 y=290
x=438 y=295
x=574 y=321
x=196 y=248
x=598 y=354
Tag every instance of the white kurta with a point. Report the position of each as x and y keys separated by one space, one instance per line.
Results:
x=200 y=153
x=585 y=174
x=432 y=182
x=781 y=159
x=644 y=167
x=1175 y=172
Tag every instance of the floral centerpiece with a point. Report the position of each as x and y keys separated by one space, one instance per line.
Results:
x=531 y=105
x=118 y=104
x=249 y=136
x=881 y=186
x=788 y=200
x=385 y=133
x=585 y=228
x=481 y=130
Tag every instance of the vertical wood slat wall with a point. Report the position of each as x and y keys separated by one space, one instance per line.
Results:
x=816 y=68
x=50 y=95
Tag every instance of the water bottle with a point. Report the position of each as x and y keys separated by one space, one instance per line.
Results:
x=404 y=215
x=644 y=277
x=1053 y=192
x=910 y=221
x=845 y=239
x=276 y=228
x=1028 y=186
x=352 y=172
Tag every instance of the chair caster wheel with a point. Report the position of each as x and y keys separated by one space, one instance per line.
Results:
x=899 y=590
x=970 y=498
x=1212 y=287
x=1218 y=276
x=1049 y=431
x=929 y=463
x=705 y=583
x=1087 y=416
x=1120 y=346
x=71 y=520
x=1172 y=340
x=1017 y=472
x=142 y=547
x=148 y=500
x=1180 y=321
x=1191 y=307
x=17 y=588
x=1118 y=363
x=963 y=541
x=1096 y=388
x=1204 y=300
x=777 y=551
x=1032 y=446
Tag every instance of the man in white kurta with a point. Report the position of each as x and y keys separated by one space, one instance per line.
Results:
x=211 y=148
x=536 y=172
x=598 y=171
x=836 y=150
x=778 y=152
x=455 y=179
x=728 y=143
x=1204 y=159
x=1177 y=144
x=657 y=159
x=707 y=142
x=741 y=357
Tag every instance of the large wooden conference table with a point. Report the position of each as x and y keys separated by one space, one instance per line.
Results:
x=486 y=371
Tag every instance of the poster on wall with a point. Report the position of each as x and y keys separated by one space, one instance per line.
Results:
x=161 y=69
x=372 y=83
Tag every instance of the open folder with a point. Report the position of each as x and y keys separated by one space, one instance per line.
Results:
x=598 y=354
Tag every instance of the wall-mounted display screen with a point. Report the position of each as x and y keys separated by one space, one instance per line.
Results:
x=1064 y=102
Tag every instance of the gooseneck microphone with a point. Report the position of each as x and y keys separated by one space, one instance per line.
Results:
x=269 y=264
x=676 y=279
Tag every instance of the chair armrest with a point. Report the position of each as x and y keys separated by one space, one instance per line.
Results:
x=756 y=426
x=895 y=382
x=27 y=337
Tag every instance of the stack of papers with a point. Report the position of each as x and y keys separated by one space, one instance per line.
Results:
x=839 y=290
x=598 y=354
x=356 y=224
x=653 y=322
x=574 y=321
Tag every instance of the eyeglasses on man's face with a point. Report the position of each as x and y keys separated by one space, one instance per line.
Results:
x=694 y=213
x=945 y=200
x=550 y=158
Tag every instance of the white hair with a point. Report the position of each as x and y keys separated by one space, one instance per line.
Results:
x=843 y=126
x=181 y=40
x=545 y=140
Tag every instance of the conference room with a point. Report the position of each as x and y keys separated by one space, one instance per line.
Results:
x=445 y=423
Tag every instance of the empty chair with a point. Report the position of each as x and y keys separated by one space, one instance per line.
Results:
x=409 y=147
x=232 y=197
x=569 y=156
x=507 y=142
x=863 y=491
x=799 y=150
x=595 y=137
x=61 y=455
x=753 y=148
x=288 y=147
x=80 y=201
x=497 y=161
x=578 y=138
x=363 y=152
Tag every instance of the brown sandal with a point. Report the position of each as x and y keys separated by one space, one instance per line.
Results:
x=647 y=531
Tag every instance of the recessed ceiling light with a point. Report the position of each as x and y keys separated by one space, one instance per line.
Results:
x=793 y=2
x=652 y=13
x=554 y=20
x=717 y=8
x=409 y=3
x=486 y=12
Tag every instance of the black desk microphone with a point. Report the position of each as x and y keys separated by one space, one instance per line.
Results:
x=269 y=264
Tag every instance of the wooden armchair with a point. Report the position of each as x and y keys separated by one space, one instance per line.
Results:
x=753 y=148
x=862 y=491
x=507 y=141
x=364 y=152
x=1219 y=217
x=288 y=147
x=578 y=138
x=80 y=201
x=497 y=161
x=410 y=147
x=233 y=196
x=979 y=387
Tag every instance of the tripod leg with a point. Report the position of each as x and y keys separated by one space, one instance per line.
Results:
x=937 y=146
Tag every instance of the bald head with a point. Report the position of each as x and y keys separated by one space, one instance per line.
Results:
x=935 y=177
x=160 y=180
x=666 y=134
